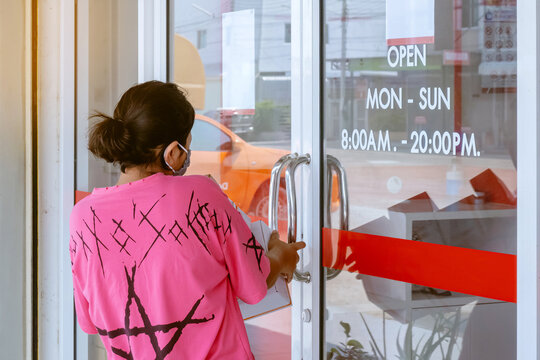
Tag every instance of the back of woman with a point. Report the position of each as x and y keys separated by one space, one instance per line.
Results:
x=172 y=254
x=160 y=259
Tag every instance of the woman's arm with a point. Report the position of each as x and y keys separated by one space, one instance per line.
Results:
x=283 y=258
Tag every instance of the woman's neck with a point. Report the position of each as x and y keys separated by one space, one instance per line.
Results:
x=133 y=174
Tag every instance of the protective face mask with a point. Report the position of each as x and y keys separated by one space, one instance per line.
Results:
x=184 y=167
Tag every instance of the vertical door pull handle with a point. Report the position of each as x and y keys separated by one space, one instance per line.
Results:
x=275 y=180
x=289 y=162
x=303 y=276
x=334 y=165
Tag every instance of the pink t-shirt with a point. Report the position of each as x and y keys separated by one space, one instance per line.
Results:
x=158 y=265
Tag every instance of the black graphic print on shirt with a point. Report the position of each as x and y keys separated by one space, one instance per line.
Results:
x=98 y=241
x=148 y=329
x=257 y=250
x=200 y=221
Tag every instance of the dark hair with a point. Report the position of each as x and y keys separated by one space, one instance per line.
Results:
x=148 y=116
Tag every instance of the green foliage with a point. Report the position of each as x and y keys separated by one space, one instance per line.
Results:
x=442 y=339
x=349 y=350
x=445 y=331
x=372 y=343
x=346 y=328
x=266 y=116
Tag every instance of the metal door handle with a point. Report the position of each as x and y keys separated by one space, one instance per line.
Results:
x=290 y=162
x=333 y=164
x=303 y=276
x=275 y=178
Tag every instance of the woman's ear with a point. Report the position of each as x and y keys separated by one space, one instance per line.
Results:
x=173 y=156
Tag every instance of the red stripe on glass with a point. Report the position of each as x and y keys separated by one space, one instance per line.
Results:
x=79 y=195
x=411 y=41
x=475 y=272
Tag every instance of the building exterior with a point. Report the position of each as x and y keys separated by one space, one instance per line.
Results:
x=413 y=129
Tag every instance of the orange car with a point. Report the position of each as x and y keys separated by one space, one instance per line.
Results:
x=242 y=170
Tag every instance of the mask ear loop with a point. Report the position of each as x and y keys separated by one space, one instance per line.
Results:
x=183 y=148
x=175 y=172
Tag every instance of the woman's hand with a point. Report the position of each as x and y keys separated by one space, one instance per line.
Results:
x=283 y=258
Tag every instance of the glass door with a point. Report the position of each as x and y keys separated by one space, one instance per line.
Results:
x=107 y=65
x=419 y=125
x=402 y=114
x=234 y=60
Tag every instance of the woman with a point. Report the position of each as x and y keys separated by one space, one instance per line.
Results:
x=159 y=261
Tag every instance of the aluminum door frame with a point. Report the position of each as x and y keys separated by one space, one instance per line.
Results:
x=306 y=139
x=528 y=175
x=153 y=46
x=55 y=146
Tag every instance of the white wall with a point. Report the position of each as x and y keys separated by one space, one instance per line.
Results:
x=56 y=120
x=12 y=178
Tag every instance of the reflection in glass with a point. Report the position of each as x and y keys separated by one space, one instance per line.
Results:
x=239 y=81
x=234 y=60
x=112 y=69
x=425 y=129
x=110 y=60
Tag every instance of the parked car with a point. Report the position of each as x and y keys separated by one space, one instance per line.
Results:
x=240 y=122
x=242 y=170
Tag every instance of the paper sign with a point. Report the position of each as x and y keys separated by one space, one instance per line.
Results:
x=410 y=22
x=238 y=54
x=278 y=296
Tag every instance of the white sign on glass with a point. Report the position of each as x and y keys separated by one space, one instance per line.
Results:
x=238 y=49
x=410 y=22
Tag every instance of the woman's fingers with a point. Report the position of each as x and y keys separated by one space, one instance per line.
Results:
x=287 y=276
x=296 y=247
x=274 y=235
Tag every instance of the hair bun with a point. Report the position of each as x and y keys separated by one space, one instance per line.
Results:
x=109 y=139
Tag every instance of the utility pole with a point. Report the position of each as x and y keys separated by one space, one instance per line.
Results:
x=344 y=17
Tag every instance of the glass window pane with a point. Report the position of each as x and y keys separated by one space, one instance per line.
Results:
x=207 y=137
x=239 y=82
x=420 y=113
x=111 y=63
x=240 y=86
